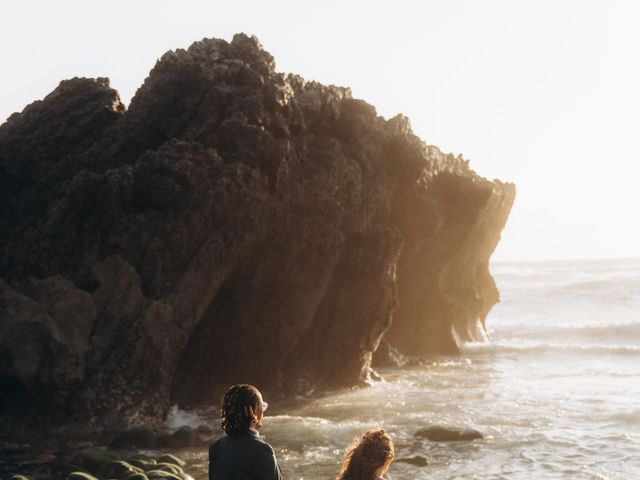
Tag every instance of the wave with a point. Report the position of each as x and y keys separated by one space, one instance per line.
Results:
x=630 y=417
x=628 y=330
x=533 y=347
x=618 y=333
x=566 y=278
x=177 y=418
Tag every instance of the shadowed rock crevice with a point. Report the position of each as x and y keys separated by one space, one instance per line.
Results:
x=234 y=224
x=337 y=348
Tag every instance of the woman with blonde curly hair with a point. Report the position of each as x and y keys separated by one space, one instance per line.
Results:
x=241 y=454
x=368 y=457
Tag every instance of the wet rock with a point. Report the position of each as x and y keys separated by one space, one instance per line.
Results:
x=204 y=431
x=447 y=434
x=417 y=460
x=93 y=459
x=388 y=356
x=42 y=338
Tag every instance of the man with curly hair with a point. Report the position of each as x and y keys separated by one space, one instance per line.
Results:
x=241 y=454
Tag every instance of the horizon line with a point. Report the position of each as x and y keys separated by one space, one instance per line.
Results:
x=571 y=259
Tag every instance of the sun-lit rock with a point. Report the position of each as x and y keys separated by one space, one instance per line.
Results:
x=232 y=225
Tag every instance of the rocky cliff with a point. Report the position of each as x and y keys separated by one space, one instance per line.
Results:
x=232 y=225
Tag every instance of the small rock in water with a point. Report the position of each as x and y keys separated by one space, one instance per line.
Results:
x=183 y=438
x=93 y=459
x=417 y=460
x=446 y=434
x=204 y=430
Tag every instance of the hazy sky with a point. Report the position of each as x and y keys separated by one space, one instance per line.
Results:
x=545 y=94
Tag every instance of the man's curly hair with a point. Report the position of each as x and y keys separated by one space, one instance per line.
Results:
x=240 y=407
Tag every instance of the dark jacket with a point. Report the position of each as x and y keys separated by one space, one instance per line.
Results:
x=243 y=456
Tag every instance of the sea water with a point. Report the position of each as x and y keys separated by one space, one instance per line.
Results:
x=555 y=390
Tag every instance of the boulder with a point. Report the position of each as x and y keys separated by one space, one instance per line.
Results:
x=205 y=431
x=417 y=460
x=182 y=438
x=439 y=433
x=93 y=459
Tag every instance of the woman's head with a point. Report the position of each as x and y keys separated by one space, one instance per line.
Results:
x=242 y=408
x=368 y=456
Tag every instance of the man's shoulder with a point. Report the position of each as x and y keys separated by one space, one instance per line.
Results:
x=263 y=445
x=213 y=444
x=218 y=442
x=259 y=443
x=254 y=440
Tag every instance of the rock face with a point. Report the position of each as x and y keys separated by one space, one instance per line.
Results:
x=232 y=225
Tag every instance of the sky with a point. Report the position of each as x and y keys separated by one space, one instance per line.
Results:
x=544 y=94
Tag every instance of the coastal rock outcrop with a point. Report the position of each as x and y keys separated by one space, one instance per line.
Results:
x=233 y=224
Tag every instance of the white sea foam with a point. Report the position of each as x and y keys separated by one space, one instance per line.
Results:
x=178 y=418
x=541 y=347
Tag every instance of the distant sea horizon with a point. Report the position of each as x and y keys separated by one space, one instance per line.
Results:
x=567 y=260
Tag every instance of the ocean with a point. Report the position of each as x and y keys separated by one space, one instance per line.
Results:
x=555 y=390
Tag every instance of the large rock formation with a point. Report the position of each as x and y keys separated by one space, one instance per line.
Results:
x=232 y=225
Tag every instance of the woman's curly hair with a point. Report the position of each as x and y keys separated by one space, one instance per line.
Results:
x=241 y=406
x=366 y=455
